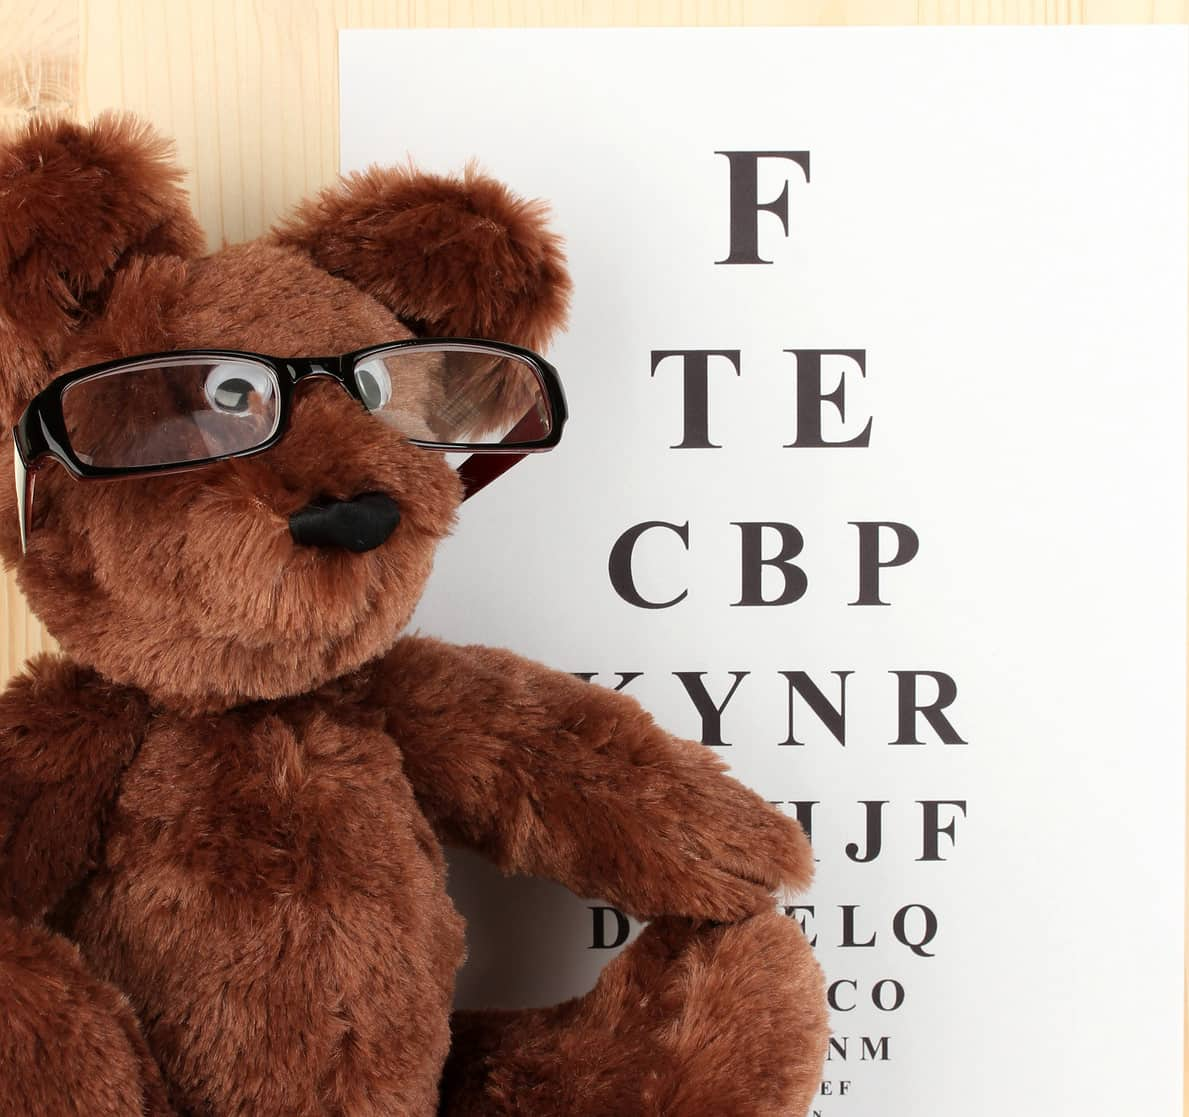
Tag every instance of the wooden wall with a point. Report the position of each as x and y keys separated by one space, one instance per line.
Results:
x=249 y=89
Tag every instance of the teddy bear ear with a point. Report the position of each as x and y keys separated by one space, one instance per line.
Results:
x=450 y=256
x=77 y=204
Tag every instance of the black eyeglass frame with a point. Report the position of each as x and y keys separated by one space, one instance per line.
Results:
x=41 y=432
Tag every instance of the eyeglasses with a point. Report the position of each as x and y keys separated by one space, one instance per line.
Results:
x=167 y=412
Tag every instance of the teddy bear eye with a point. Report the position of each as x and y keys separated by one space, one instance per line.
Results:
x=375 y=385
x=231 y=389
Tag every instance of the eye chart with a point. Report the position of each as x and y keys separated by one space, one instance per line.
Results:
x=875 y=484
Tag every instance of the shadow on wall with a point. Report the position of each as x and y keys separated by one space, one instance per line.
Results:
x=530 y=942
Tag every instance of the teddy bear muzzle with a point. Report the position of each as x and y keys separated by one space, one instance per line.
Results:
x=360 y=524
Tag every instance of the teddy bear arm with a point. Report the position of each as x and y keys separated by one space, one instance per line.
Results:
x=551 y=776
x=66 y=737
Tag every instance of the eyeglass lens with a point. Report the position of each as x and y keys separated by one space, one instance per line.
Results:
x=169 y=412
x=467 y=398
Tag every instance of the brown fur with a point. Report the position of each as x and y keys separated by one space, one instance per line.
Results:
x=451 y=256
x=69 y=1042
x=600 y=782
x=692 y=1020
x=76 y=203
x=221 y=881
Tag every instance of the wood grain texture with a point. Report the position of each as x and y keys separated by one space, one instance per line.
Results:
x=39 y=58
x=39 y=74
x=249 y=88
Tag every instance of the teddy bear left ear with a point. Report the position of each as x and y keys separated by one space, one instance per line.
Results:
x=79 y=203
x=450 y=256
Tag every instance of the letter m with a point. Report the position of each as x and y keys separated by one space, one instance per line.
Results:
x=875 y=1051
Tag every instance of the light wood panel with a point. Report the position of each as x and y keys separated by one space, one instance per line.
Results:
x=249 y=89
x=39 y=73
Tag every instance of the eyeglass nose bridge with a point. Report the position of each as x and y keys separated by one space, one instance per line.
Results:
x=306 y=368
x=338 y=369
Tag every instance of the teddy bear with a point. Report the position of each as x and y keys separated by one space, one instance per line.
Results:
x=223 y=805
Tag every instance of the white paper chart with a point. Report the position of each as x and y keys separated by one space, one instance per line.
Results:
x=875 y=483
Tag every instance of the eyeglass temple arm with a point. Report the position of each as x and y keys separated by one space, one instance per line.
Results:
x=479 y=470
x=25 y=479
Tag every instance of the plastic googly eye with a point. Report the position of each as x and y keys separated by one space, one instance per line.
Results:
x=375 y=385
x=229 y=388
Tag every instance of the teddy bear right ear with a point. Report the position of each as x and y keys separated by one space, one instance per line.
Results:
x=77 y=203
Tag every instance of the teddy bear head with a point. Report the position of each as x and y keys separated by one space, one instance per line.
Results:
x=195 y=585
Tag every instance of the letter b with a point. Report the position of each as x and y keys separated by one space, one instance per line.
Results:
x=753 y=563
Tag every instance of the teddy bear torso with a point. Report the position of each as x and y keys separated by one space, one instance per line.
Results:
x=272 y=899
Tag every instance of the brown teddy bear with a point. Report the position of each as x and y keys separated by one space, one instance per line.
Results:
x=222 y=889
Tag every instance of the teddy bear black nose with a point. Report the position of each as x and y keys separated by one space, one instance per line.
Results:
x=358 y=525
